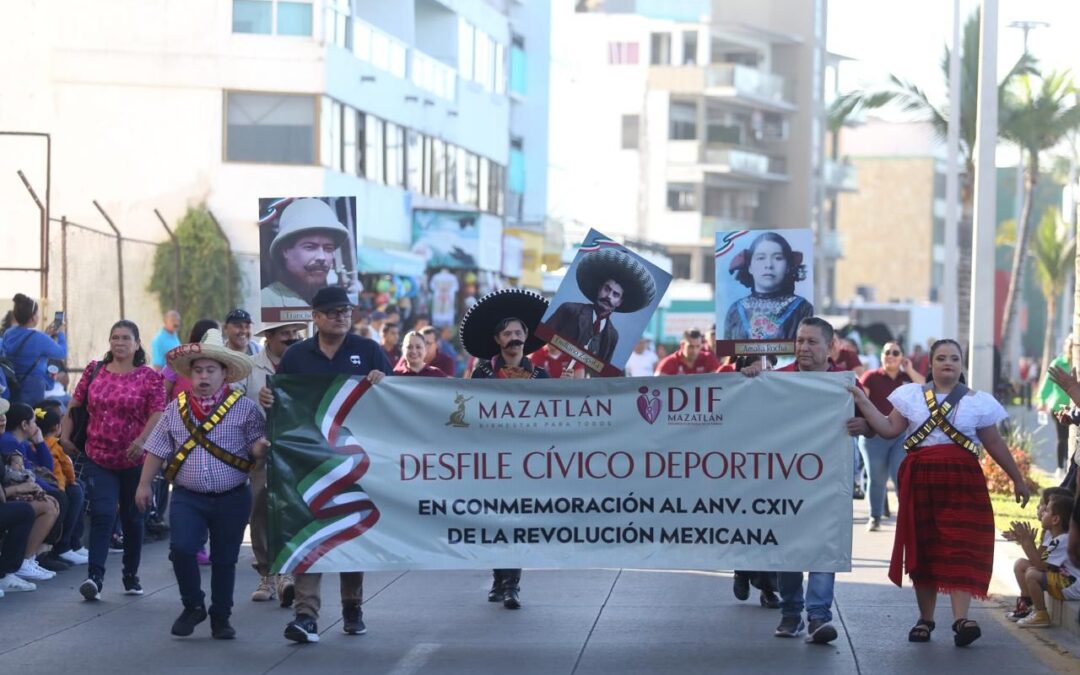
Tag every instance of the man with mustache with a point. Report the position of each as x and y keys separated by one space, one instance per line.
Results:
x=278 y=337
x=499 y=331
x=612 y=281
x=302 y=253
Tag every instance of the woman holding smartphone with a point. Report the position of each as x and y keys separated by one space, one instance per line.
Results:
x=29 y=351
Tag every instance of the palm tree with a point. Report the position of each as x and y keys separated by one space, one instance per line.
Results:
x=1053 y=250
x=1039 y=113
x=909 y=98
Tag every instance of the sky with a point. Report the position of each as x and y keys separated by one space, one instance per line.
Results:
x=907 y=38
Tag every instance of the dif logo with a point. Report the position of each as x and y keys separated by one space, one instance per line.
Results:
x=695 y=405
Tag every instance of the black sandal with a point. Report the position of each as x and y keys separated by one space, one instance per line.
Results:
x=966 y=631
x=921 y=631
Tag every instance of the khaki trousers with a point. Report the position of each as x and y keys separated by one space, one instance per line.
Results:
x=308 y=600
x=258 y=519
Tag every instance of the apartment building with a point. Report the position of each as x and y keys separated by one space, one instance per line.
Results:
x=410 y=105
x=697 y=116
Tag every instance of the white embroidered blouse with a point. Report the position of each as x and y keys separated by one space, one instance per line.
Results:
x=973 y=412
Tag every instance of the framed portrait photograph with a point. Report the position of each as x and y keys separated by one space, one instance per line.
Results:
x=305 y=243
x=764 y=288
x=603 y=305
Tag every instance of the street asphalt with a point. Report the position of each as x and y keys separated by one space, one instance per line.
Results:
x=580 y=622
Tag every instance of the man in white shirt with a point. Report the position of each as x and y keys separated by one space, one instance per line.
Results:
x=642 y=361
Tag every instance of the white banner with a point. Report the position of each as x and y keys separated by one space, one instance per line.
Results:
x=714 y=472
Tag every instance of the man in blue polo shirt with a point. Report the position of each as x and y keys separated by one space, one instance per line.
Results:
x=332 y=351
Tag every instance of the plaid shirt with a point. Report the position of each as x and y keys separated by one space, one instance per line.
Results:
x=202 y=472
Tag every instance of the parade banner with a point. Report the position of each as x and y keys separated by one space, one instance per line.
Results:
x=693 y=472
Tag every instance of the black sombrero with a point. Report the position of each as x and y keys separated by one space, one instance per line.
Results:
x=478 y=325
x=639 y=289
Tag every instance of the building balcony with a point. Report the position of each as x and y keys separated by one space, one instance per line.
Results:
x=710 y=225
x=748 y=86
x=743 y=163
x=840 y=176
x=432 y=75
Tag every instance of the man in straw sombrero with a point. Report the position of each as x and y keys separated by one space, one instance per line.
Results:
x=207 y=442
x=613 y=281
x=499 y=331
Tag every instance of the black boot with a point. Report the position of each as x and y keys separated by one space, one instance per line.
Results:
x=496 y=593
x=220 y=629
x=511 y=588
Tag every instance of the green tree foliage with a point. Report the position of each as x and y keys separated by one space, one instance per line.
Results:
x=206 y=271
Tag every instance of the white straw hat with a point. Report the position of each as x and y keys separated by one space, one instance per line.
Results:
x=237 y=365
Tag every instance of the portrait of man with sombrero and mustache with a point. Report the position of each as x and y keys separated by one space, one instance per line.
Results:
x=305 y=247
x=613 y=281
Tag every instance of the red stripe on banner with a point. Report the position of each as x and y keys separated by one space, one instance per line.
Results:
x=346 y=408
x=339 y=538
x=340 y=484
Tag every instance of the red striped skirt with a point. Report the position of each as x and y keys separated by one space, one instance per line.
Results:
x=945 y=526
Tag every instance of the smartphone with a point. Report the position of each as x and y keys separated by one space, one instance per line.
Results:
x=58 y=318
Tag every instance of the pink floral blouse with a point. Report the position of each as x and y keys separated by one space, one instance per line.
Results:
x=119 y=408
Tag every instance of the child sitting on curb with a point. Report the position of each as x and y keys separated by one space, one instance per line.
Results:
x=1045 y=568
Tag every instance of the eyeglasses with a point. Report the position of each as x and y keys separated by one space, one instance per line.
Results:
x=339 y=313
x=893 y=352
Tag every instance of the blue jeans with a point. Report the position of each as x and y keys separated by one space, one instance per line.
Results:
x=191 y=516
x=882 y=458
x=73 y=515
x=108 y=489
x=819 y=595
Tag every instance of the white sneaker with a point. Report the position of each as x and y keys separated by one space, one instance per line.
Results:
x=74 y=558
x=1 y=593
x=81 y=552
x=31 y=571
x=10 y=583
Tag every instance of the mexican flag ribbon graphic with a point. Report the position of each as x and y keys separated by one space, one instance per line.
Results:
x=332 y=491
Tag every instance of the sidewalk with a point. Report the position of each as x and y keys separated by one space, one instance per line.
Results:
x=574 y=622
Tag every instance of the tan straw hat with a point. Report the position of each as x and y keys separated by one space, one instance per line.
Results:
x=237 y=365
x=271 y=326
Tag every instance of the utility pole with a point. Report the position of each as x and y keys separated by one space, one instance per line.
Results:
x=981 y=346
x=950 y=302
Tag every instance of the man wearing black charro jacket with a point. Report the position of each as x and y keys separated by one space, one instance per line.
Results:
x=498 y=331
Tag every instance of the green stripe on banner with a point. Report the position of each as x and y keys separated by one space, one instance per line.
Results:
x=331 y=393
x=298 y=542
x=323 y=469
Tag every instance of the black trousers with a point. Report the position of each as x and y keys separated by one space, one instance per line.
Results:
x=16 y=519
x=507 y=576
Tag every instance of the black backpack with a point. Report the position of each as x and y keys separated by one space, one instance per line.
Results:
x=7 y=364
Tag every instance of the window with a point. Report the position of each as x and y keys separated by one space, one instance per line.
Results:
x=374 y=130
x=630 y=131
x=689 y=48
x=518 y=63
x=350 y=151
x=294 y=18
x=516 y=169
x=484 y=185
x=466 y=40
x=252 y=16
x=485 y=53
x=437 y=168
x=681 y=197
x=336 y=136
x=414 y=161
x=337 y=24
x=451 y=172
x=497 y=187
x=680 y=265
x=395 y=155
x=660 y=49
x=468 y=186
x=500 y=68
x=682 y=122
x=277 y=17
x=270 y=128
x=622 y=53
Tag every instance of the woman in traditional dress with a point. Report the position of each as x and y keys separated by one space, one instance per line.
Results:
x=772 y=311
x=945 y=528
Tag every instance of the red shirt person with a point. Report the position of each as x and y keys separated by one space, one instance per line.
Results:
x=412 y=364
x=690 y=359
x=812 y=342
